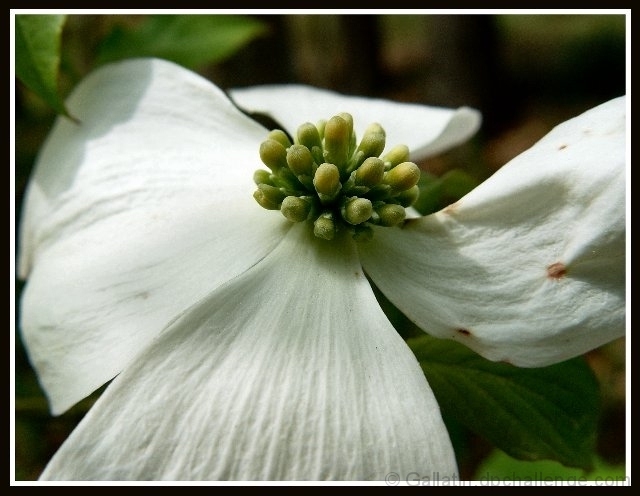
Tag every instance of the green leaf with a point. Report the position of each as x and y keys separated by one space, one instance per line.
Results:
x=455 y=184
x=37 y=57
x=500 y=467
x=531 y=414
x=188 y=40
x=438 y=192
x=430 y=187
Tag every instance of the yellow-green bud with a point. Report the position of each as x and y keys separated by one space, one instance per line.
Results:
x=409 y=196
x=327 y=181
x=390 y=214
x=326 y=178
x=308 y=135
x=273 y=154
x=262 y=176
x=348 y=118
x=395 y=156
x=373 y=141
x=352 y=138
x=300 y=160
x=324 y=226
x=357 y=211
x=268 y=197
x=295 y=209
x=403 y=176
x=272 y=193
x=337 y=136
x=370 y=172
x=280 y=136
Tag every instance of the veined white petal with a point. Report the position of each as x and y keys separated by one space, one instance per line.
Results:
x=132 y=215
x=289 y=372
x=425 y=130
x=151 y=135
x=530 y=266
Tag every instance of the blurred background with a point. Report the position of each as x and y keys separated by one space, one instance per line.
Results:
x=525 y=73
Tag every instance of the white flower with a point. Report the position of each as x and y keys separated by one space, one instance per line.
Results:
x=245 y=347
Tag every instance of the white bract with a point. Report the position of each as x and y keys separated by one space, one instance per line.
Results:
x=247 y=348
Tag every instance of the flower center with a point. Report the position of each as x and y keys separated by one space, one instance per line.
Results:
x=328 y=180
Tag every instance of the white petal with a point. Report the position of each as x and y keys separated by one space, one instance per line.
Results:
x=291 y=371
x=530 y=266
x=425 y=130
x=132 y=216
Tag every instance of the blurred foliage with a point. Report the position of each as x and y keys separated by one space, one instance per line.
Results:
x=436 y=192
x=37 y=55
x=549 y=53
x=189 y=40
x=525 y=73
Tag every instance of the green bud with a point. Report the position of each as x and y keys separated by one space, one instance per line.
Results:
x=262 y=176
x=273 y=154
x=296 y=209
x=348 y=118
x=379 y=192
x=352 y=137
x=337 y=135
x=390 y=214
x=409 y=196
x=327 y=181
x=280 y=136
x=370 y=172
x=300 y=160
x=287 y=180
x=273 y=194
x=395 y=156
x=308 y=136
x=326 y=177
x=357 y=210
x=307 y=183
x=403 y=176
x=267 y=197
x=324 y=226
x=373 y=141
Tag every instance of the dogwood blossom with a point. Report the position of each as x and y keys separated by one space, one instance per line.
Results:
x=246 y=347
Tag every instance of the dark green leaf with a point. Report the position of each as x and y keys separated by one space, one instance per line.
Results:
x=430 y=193
x=531 y=414
x=188 y=40
x=455 y=184
x=37 y=44
x=438 y=192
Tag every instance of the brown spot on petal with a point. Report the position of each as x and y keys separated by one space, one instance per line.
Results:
x=562 y=147
x=464 y=332
x=556 y=270
x=450 y=209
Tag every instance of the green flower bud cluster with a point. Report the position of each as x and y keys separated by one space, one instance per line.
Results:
x=326 y=178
